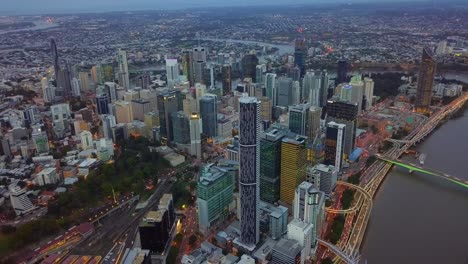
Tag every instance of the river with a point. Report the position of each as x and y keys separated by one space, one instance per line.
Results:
x=38 y=25
x=421 y=219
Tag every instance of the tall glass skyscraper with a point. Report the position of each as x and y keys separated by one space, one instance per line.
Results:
x=209 y=114
x=270 y=165
x=270 y=87
x=298 y=118
x=249 y=124
x=300 y=51
x=181 y=127
x=425 y=82
x=293 y=166
x=168 y=102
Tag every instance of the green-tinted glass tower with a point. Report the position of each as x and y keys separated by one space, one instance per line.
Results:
x=270 y=165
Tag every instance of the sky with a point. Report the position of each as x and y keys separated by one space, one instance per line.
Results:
x=15 y=7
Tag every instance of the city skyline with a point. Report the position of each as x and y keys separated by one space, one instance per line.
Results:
x=31 y=7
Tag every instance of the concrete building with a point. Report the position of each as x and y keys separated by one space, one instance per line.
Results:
x=209 y=114
x=270 y=87
x=287 y=251
x=140 y=108
x=172 y=71
x=124 y=78
x=195 y=135
x=323 y=177
x=86 y=140
x=313 y=124
x=47 y=176
x=426 y=76
x=285 y=92
x=368 y=92
x=301 y=232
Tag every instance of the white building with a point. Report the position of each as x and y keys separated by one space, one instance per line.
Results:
x=301 y=232
x=86 y=140
x=172 y=71
x=19 y=200
x=47 y=176
x=61 y=115
x=368 y=92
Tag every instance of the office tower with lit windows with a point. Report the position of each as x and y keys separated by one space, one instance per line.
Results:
x=209 y=114
x=249 y=129
x=168 y=102
x=270 y=164
x=426 y=76
x=227 y=82
x=298 y=118
x=293 y=166
x=334 y=144
x=270 y=87
x=285 y=92
x=344 y=113
x=342 y=72
x=249 y=65
x=124 y=78
x=195 y=135
x=300 y=52
x=214 y=195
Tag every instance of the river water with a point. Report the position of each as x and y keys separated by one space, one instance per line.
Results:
x=421 y=219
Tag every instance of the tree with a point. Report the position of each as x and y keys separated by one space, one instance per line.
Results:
x=327 y=261
x=374 y=129
x=192 y=240
x=172 y=255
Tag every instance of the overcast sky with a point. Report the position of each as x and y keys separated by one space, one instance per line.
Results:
x=54 y=6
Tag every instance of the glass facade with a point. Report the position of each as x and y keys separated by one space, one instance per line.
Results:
x=270 y=165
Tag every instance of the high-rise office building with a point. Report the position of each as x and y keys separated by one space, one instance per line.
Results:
x=214 y=195
x=187 y=65
x=301 y=232
x=313 y=125
x=285 y=92
x=172 y=71
x=300 y=52
x=108 y=121
x=296 y=93
x=312 y=85
x=199 y=63
x=86 y=140
x=195 y=135
x=342 y=72
x=309 y=206
x=55 y=58
x=324 y=87
x=270 y=87
x=181 y=127
x=154 y=231
x=260 y=71
x=293 y=166
x=209 y=114
x=287 y=251
x=168 y=102
x=123 y=112
x=102 y=104
x=344 y=113
x=249 y=65
x=124 y=78
x=357 y=94
x=266 y=106
x=270 y=164
x=199 y=54
x=140 y=108
x=40 y=140
x=368 y=92
x=323 y=177
x=298 y=118
x=226 y=76
x=249 y=126
x=426 y=75
x=334 y=145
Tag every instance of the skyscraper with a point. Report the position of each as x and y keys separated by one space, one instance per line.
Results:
x=181 y=127
x=187 y=65
x=293 y=166
x=426 y=75
x=249 y=65
x=102 y=104
x=311 y=87
x=249 y=126
x=357 y=93
x=270 y=165
x=209 y=114
x=199 y=63
x=226 y=76
x=172 y=71
x=55 y=58
x=168 y=102
x=342 y=71
x=124 y=78
x=334 y=145
x=298 y=118
x=313 y=125
x=285 y=92
x=214 y=195
x=300 y=51
x=195 y=138
x=344 y=113
x=270 y=87
x=260 y=71
x=368 y=92
x=123 y=112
